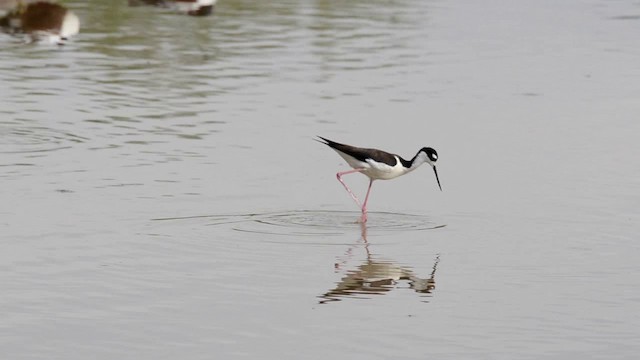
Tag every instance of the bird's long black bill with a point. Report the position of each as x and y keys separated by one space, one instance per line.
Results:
x=438 y=179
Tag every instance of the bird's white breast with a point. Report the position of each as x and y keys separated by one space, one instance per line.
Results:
x=382 y=171
x=373 y=169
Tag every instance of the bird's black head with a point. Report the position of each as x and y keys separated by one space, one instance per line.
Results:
x=431 y=153
x=431 y=158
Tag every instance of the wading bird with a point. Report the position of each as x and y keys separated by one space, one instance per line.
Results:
x=378 y=165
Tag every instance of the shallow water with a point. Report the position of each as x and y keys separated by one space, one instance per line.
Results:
x=163 y=197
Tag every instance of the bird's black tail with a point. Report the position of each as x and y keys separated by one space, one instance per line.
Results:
x=322 y=140
x=328 y=142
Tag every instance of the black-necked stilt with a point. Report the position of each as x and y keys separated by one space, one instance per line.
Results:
x=379 y=165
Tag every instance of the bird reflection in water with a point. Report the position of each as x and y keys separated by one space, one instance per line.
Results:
x=376 y=277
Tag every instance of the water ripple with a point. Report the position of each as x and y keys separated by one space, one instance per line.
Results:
x=15 y=140
x=316 y=222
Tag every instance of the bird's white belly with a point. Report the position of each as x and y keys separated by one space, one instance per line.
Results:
x=375 y=170
x=382 y=171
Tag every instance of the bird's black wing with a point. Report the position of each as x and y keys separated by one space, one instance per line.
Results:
x=363 y=154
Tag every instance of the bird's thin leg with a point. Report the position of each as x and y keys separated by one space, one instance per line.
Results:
x=364 y=206
x=339 y=176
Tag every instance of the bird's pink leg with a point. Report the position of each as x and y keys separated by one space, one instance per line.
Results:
x=339 y=176
x=364 y=206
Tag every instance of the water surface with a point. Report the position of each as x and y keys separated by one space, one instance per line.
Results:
x=163 y=197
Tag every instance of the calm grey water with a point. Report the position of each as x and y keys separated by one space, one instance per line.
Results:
x=162 y=197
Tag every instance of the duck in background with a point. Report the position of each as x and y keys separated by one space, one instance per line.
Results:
x=189 y=7
x=195 y=7
x=40 y=20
